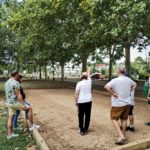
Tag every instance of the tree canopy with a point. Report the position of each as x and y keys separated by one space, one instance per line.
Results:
x=40 y=32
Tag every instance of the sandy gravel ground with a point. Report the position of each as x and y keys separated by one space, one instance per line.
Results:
x=55 y=111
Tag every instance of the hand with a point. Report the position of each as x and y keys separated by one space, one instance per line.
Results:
x=115 y=95
x=30 y=106
x=24 y=107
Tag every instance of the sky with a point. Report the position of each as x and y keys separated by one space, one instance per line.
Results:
x=135 y=53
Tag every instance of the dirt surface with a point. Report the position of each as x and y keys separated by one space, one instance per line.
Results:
x=55 y=111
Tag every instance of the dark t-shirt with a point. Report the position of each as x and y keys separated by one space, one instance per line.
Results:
x=22 y=93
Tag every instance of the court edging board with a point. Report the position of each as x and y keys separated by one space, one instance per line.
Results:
x=138 y=145
x=37 y=137
x=39 y=140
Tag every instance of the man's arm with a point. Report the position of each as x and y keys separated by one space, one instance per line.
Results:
x=19 y=96
x=109 y=89
x=76 y=97
x=133 y=86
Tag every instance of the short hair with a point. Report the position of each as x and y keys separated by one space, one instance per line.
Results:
x=148 y=71
x=14 y=73
x=20 y=76
x=84 y=77
x=122 y=70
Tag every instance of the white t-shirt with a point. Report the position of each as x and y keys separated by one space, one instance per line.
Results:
x=84 y=89
x=132 y=98
x=122 y=87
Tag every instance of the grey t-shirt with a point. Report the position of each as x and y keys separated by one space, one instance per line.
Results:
x=122 y=87
x=10 y=86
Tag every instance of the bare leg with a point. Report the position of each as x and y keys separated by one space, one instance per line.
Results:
x=131 y=119
x=10 y=125
x=117 y=127
x=30 y=117
x=124 y=126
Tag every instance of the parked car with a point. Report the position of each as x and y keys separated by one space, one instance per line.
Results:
x=97 y=76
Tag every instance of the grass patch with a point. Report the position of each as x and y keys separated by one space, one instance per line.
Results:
x=2 y=86
x=23 y=142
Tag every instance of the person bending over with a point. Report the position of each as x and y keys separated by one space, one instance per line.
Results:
x=28 y=115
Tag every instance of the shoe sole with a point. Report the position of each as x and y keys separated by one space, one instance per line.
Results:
x=122 y=142
x=12 y=137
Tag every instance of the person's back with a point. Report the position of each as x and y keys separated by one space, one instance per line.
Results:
x=85 y=91
x=10 y=87
x=122 y=86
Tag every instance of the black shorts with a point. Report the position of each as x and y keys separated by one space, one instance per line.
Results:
x=131 y=110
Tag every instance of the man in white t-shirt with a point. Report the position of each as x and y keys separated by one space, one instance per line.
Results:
x=120 y=88
x=83 y=100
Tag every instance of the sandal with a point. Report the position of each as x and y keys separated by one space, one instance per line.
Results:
x=121 y=142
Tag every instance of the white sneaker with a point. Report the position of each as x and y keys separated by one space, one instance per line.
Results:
x=34 y=127
x=12 y=135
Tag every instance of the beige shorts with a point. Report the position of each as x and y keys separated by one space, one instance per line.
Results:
x=13 y=107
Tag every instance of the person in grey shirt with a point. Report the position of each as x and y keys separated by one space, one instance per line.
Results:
x=120 y=88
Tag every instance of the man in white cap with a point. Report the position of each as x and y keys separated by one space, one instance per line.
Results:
x=83 y=100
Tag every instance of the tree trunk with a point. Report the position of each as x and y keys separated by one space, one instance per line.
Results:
x=84 y=61
x=45 y=70
x=53 y=72
x=40 y=72
x=53 y=75
x=110 y=64
x=127 y=60
x=18 y=65
x=62 y=71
